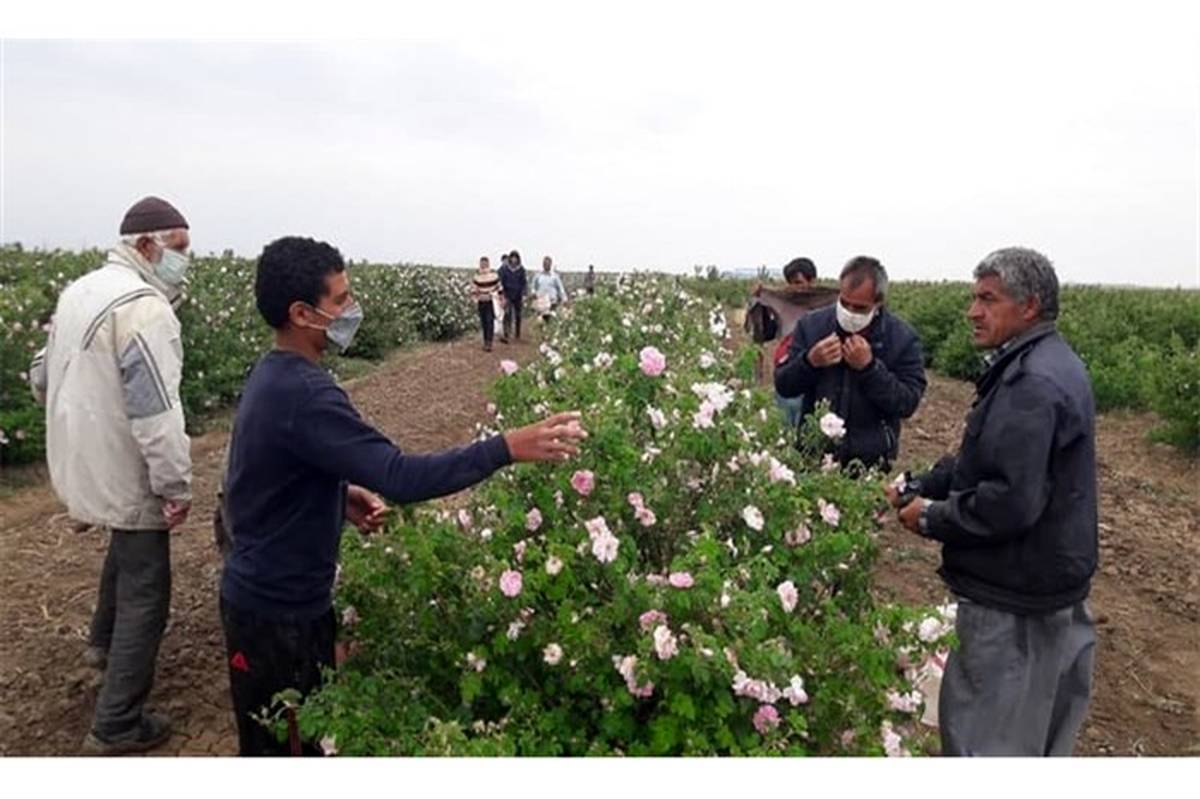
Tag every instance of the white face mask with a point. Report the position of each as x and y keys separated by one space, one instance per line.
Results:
x=853 y=322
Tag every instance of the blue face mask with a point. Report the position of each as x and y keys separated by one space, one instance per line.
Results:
x=341 y=330
x=172 y=267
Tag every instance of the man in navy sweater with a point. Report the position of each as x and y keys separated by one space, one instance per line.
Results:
x=301 y=463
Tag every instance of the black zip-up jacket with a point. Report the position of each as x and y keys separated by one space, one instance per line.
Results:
x=512 y=283
x=871 y=402
x=1016 y=508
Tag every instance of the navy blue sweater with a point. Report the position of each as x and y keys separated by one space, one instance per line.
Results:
x=297 y=442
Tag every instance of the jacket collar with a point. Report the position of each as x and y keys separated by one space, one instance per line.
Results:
x=127 y=256
x=998 y=360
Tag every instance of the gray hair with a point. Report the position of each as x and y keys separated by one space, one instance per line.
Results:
x=1024 y=273
x=864 y=267
x=159 y=237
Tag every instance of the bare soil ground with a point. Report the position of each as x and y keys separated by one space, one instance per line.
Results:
x=1146 y=596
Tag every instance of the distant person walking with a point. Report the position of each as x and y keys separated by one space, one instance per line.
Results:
x=485 y=288
x=548 y=290
x=589 y=280
x=512 y=286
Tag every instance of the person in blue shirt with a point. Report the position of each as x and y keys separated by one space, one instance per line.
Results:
x=302 y=462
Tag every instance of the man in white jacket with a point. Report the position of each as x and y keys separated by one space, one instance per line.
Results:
x=118 y=454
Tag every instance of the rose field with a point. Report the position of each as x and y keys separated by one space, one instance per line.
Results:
x=691 y=584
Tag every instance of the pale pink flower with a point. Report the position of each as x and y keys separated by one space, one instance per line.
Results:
x=514 y=630
x=533 y=520
x=583 y=481
x=558 y=499
x=795 y=693
x=329 y=746
x=492 y=409
x=553 y=565
x=597 y=527
x=627 y=667
x=703 y=418
x=828 y=464
x=475 y=662
x=780 y=473
x=833 y=426
x=681 y=580
x=509 y=367
x=657 y=418
x=707 y=361
x=510 y=583
x=552 y=654
x=646 y=517
x=798 y=537
x=892 y=742
x=652 y=362
x=788 y=596
x=766 y=719
x=636 y=500
x=656 y=580
x=932 y=628
x=519 y=550
x=904 y=703
x=848 y=737
x=650 y=619
x=464 y=519
x=829 y=512
x=753 y=517
x=666 y=645
x=605 y=548
x=349 y=616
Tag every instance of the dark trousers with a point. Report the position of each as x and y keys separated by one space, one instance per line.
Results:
x=487 y=319
x=1017 y=685
x=131 y=614
x=512 y=318
x=266 y=656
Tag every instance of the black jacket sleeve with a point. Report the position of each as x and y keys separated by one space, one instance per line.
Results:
x=796 y=375
x=935 y=483
x=1016 y=442
x=328 y=433
x=895 y=391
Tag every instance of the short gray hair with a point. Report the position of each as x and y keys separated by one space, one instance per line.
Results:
x=864 y=267
x=1024 y=273
x=159 y=237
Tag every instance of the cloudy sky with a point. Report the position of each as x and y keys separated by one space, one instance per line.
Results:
x=627 y=137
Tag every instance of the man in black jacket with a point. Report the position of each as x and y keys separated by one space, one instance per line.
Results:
x=1016 y=513
x=866 y=362
x=512 y=287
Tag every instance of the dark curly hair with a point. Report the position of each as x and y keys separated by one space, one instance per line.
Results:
x=293 y=269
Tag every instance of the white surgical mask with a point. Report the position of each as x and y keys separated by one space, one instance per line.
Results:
x=853 y=322
x=341 y=330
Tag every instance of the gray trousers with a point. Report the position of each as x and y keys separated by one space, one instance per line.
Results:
x=131 y=614
x=1017 y=685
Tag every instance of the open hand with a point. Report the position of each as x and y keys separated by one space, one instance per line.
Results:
x=550 y=440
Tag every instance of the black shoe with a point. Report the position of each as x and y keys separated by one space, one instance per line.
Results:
x=152 y=731
x=504 y=339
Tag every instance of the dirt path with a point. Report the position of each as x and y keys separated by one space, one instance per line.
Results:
x=425 y=399
x=1146 y=596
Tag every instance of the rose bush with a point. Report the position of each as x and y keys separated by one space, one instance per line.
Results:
x=687 y=588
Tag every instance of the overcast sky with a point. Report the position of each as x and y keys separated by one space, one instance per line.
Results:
x=921 y=134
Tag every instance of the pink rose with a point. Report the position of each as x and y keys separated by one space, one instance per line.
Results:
x=801 y=535
x=766 y=719
x=666 y=645
x=583 y=481
x=636 y=500
x=510 y=583
x=646 y=517
x=829 y=512
x=509 y=367
x=650 y=619
x=533 y=520
x=681 y=580
x=652 y=362
x=788 y=596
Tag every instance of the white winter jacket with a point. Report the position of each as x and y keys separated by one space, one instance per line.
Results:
x=109 y=377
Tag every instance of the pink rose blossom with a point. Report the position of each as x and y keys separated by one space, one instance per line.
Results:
x=646 y=517
x=828 y=464
x=509 y=367
x=552 y=654
x=329 y=746
x=833 y=426
x=780 y=473
x=798 y=537
x=533 y=520
x=657 y=418
x=829 y=512
x=519 y=550
x=753 y=518
x=681 y=580
x=666 y=645
x=349 y=616
x=795 y=693
x=766 y=719
x=650 y=619
x=464 y=519
x=636 y=500
x=892 y=742
x=788 y=596
x=583 y=481
x=553 y=565
x=510 y=583
x=605 y=548
x=652 y=362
